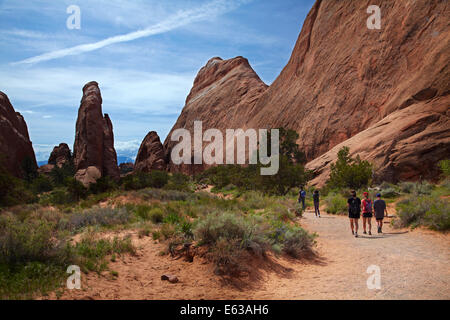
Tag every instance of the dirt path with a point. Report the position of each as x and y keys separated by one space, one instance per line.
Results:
x=414 y=265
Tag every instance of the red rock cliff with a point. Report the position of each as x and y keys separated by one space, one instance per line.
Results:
x=15 y=144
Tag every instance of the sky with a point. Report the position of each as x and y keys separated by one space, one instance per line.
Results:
x=144 y=55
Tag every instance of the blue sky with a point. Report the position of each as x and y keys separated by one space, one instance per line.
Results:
x=145 y=75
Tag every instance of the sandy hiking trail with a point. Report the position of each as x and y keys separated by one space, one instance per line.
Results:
x=413 y=264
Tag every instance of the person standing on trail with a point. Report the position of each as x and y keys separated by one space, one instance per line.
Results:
x=316 y=202
x=354 y=212
x=367 y=212
x=379 y=206
x=302 y=197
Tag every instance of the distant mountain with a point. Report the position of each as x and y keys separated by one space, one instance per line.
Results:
x=124 y=159
x=42 y=163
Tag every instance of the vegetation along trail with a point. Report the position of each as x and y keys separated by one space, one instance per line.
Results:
x=413 y=265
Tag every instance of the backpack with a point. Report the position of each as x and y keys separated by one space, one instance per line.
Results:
x=367 y=205
x=303 y=194
x=354 y=206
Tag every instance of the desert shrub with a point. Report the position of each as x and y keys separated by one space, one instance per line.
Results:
x=407 y=186
x=91 y=253
x=95 y=216
x=156 y=215
x=141 y=180
x=58 y=175
x=41 y=184
x=32 y=258
x=389 y=193
x=216 y=226
x=422 y=188
x=143 y=211
x=156 y=235
x=429 y=211
x=166 y=195
x=335 y=203
x=13 y=191
x=297 y=242
x=22 y=242
x=103 y=185
x=76 y=189
x=348 y=172
x=178 y=181
x=444 y=165
x=58 y=196
x=280 y=212
x=186 y=229
x=167 y=230
x=254 y=200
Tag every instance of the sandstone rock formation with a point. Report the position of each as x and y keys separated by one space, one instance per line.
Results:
x=223 y=96
x=15 y=144
x=151 y=154
x=345 y=82
x=343 y=79
x=60 y=155
x=93 y=152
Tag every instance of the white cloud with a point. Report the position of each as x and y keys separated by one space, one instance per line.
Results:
x=180 y=19
x=124 y=90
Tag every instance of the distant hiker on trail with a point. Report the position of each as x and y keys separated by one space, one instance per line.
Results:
x=316 y=202
x=379 y=207
x=302 y=197
x=354 y=212
x=367 y=212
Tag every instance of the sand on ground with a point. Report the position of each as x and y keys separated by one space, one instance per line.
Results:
x=413 y=264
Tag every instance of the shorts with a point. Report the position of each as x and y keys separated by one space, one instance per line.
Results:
x=379 y=219
x=367 y=214
x=354 y=215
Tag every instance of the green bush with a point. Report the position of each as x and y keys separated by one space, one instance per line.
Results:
x=13 y=191
x=76 y=189
x=22 y=242
x=143 y=211
x=389 y=193
x=156 y=215
x=429 y=211
x=297 y=242
x=348 y=172
x=91 y=252
x=335 y=203
x=444 y=165
x=407 y=187
x=141 y=180
x=42 y=184
x=102 y=185
x=178 y=181
x=95 y=216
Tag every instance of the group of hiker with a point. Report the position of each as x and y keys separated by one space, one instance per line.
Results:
x=355 y=208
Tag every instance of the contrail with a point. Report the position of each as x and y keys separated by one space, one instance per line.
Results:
x=178 y=20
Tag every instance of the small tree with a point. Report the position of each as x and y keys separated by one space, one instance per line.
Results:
x=349 y=172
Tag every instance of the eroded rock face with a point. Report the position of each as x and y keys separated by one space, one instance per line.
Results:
x=151 y=154
x=15 y=144
x=94 y=139
x=223 y=97
x=405 y=145
x=342 y=81
x=60 y=155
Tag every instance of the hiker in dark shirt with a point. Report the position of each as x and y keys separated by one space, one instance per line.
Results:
x=354 y=212
x=302 y=197
x=379 y=207
x=316 y=202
